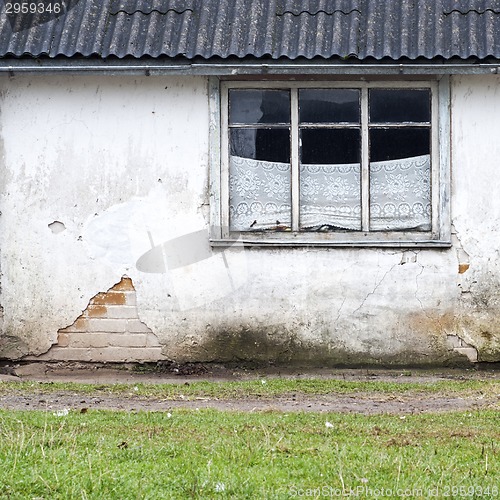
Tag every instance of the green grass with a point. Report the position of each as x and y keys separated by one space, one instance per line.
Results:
x=216 y=454
x=213 y=454
x=270 y=387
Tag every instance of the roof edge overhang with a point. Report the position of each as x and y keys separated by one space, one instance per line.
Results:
x=235 y=67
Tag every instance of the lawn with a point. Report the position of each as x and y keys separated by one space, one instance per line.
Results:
x=222 y=454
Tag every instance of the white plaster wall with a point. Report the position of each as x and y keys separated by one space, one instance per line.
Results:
x=122 y=162
x=130 y=151
x=476 y=207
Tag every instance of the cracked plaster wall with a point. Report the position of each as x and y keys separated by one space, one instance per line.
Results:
x=476 y=211
x=122 y=165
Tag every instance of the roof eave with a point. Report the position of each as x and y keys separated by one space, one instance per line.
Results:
x=234 y=67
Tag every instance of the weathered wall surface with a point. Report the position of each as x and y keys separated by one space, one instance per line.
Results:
x=100 y=175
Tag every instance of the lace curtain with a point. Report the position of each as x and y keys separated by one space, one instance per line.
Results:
x=259 y=194
x=400 y=194
x=330 y=195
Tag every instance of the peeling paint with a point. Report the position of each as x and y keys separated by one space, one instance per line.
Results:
x=109 y=329
x=409 y=256
x=462 y=268
x=57 y=227
x=463 y=348
x=462 y=256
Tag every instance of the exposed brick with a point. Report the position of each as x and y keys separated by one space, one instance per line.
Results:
x=89 y=340
x=130 y=298
x=127 y=339
x=136 y=325
x=124 y=312
x=127 y=354
x=66 y=354
x=108 y=330
x=470 y=352
x=80 y=325
x=152 y=340
x=462 y=268
x=117 y=298
x=107 y=325
x=96 y=311
x=98 y=299
x=63 y=339
x=454 y=341
x=125 y=284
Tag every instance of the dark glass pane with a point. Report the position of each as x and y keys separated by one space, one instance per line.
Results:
x=259 y=106
x=329 y=106
x=400 y=105
x=261 y=144
x=330 y=146
x=392 y=144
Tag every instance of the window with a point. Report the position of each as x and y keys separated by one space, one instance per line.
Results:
x=333 y=164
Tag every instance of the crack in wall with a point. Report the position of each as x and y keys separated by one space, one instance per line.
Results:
x=340 y=310
x=375 y=288
x=416 y=289
x=408 y=256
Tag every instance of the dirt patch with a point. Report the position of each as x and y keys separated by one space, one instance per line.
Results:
x=361 y=403
x=364 y=403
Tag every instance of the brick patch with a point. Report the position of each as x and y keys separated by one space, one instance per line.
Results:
x=111 y=297
x=108 y=330
x=95 y=311
x=125 y=284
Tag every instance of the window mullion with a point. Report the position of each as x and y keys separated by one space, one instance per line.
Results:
x=365 y=167
x=435 y=172
x=224 y=167
x=294 y=130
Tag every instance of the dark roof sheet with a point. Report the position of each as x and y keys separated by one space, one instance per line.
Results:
x=363 y=29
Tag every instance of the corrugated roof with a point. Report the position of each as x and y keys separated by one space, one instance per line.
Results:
x=363 y=29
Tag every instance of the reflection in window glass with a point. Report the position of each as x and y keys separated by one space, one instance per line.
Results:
x=329 y=106
x=259 y=106
x=400 y=105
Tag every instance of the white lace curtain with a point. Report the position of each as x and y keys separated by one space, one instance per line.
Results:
x=330 y=195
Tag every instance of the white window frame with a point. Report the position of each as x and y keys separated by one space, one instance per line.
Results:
x=440 y=234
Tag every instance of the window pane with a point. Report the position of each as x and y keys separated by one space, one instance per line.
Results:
x=330 y=146
x=259 y=180
x=392 y=144
x=400 y=180
x=400 y=105
x=259 y=106
x=261 y=144
x=330 y=180
x=329 y=106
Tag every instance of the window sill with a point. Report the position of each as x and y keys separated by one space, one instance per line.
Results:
x=276 y=243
